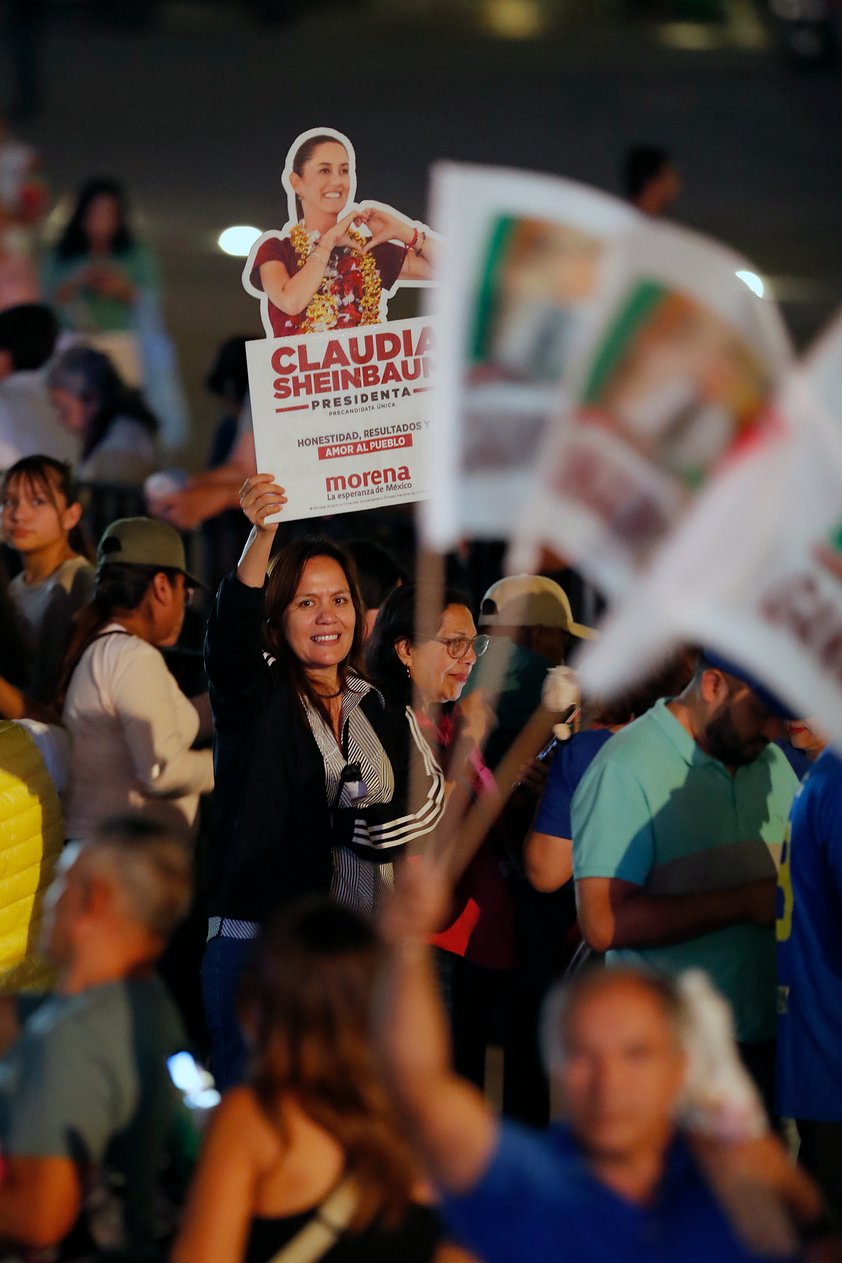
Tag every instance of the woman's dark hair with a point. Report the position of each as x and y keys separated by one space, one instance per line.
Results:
x=89 y=375
x=284 y=576
x=303 y=153
x=396 y=621
x=119 y=588
x=307 y=1004
x=52 y=478
x=73 y=242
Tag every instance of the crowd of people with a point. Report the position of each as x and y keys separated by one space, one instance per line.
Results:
x=373 y=861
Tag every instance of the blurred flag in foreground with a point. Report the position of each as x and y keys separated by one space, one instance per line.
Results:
x=675 y=374
x=755 y=570
x=523 y=258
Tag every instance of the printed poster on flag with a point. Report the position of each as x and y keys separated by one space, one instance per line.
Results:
x=756 y=569
x=522 y=257
x=680 y=363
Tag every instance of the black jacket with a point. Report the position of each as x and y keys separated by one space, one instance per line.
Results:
x=274 y=829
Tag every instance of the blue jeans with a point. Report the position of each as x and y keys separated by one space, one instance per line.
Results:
x=222 y=968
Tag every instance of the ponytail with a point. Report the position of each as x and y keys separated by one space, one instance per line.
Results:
x=118 y=588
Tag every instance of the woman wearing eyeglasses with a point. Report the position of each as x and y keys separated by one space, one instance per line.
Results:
x=312 y=781
x=433 y=663
x=420 y=654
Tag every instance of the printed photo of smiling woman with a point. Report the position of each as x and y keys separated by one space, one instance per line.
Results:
x=336 y=262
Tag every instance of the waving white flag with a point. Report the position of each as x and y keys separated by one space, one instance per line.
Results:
x=755 y=571
x=681 y=361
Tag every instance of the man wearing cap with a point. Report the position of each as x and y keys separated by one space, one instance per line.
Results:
x=531 y=623
x=677 y=826
x=132 y=727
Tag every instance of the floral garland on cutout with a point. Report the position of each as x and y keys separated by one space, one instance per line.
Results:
x=349 y=294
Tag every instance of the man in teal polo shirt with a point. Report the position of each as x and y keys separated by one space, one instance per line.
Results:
x=677 y=826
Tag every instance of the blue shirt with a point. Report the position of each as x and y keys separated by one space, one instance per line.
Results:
x=538 y=1202
x=572 y=760
x=809 y=932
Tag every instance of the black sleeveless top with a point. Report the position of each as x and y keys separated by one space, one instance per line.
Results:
x=413 y=1241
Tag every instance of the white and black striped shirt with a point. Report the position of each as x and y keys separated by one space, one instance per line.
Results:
x=359 y=882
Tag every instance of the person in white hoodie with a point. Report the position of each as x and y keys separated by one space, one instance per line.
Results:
x=132 y=728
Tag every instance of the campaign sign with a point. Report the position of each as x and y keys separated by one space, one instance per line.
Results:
x=342 y=418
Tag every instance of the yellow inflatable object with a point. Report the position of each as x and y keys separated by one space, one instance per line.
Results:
x=31 y=839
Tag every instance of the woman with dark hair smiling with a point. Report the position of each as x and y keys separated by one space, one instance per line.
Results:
x=310 y=794
x=327 y=273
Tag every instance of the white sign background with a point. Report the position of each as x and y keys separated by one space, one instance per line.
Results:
x=343 y=419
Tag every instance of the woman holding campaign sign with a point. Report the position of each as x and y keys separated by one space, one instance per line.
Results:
x=310 y=795
x=334 y=263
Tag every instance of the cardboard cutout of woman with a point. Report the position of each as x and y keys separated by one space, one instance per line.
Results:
x=335 y=263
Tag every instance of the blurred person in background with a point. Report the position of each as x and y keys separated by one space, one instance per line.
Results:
x=311 y=792
x=98 y=270
x=617 y=1178
x=41 y=515
x=28 y=424
x=103 y=281
x=650 y=179
x=23 y=202
x=228 y=381
x=132 y=728
x=802 y=745
x=212 y=497
x=532 y=628
x=84 y=1088
x=809 y=935
x=115 y=426
x=548 y=850
x=310 y=1138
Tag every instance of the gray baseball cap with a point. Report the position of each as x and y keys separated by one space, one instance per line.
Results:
x=142 y=541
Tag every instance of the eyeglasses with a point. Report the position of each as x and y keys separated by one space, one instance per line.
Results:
x=458 y=646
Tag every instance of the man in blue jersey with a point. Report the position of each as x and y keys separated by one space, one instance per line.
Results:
x=809 y=933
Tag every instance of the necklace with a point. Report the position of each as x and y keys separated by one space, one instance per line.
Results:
x=327 y=696
x=355 y=278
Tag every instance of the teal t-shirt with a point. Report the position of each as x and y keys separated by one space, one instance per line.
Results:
x=655 y=810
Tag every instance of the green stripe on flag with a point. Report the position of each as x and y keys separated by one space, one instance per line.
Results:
x=501 y=234
x=640 y=305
